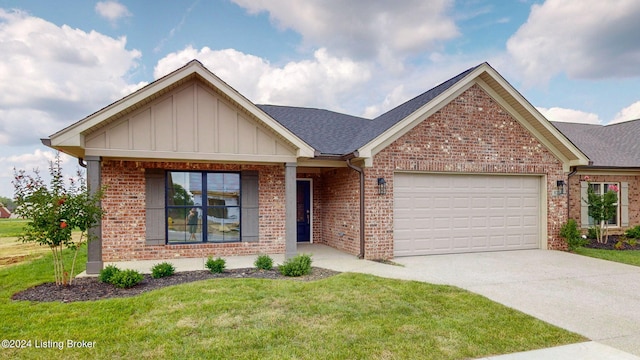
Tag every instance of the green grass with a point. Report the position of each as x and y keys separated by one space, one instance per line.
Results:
x=11 y=227
x=631 y=257
x=348 y=316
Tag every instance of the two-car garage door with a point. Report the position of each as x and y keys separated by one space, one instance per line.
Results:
x=444 y=213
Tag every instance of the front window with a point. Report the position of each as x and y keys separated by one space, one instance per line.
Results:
x=203 y=207
x=601 y=189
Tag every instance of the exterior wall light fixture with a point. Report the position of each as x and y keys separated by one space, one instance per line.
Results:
x=560 y=184
x=382 y=186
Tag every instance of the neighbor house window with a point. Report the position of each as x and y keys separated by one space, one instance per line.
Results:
x=600 y=189
x=202 y=207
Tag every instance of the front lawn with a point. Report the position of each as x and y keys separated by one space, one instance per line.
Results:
x=11 y=227
x=348 y=316
x=631 y=257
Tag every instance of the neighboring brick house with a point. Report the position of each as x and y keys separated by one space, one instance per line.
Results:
x=614 y=154
x=4 y=212
x=192 y=169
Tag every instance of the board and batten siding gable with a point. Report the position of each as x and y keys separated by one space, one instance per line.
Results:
x=191 y=122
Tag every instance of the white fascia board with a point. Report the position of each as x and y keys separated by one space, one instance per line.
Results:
x=130 y=100
x=581 y=158
x=190 y=156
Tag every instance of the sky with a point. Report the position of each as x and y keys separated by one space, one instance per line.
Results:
x=60 y=61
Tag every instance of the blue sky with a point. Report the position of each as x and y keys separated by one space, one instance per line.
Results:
x=576 y=60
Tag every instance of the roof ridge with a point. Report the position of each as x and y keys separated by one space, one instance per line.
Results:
x=313 y=108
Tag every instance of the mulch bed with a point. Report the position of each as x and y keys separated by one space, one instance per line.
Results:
x=611 y=244
x=89 y=288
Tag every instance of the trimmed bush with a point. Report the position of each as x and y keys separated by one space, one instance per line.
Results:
x=264 y=262
x=296 y=266
x=216 y=266
x=162 y=270
x=570 y=232
x=633 y=233
x=126 y=278
x=107 y=274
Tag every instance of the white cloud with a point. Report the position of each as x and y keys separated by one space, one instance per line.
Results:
x=324 y=81
x=586 y=39
x=631 y=112
x=55 y=75
x=29 y=162
x=112 y=10
x=364 y=29
x=569 y=115
x=395 y=97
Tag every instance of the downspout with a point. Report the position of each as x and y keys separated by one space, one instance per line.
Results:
x=361 y=172
x=575 y=170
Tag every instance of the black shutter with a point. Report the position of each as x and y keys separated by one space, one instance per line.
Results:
x=249 y=206
x=155 y=206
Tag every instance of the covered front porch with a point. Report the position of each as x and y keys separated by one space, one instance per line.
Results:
x=322 y=255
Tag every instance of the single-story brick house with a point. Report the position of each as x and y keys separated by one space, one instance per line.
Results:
x=614 y=154
x=192 y=168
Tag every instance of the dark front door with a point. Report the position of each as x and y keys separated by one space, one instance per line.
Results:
x=303 y=210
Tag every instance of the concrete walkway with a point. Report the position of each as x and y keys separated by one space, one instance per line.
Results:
x=595 y=298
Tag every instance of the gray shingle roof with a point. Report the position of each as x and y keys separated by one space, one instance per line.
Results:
x=326 y=131
x=340 y=134
x=614 y=145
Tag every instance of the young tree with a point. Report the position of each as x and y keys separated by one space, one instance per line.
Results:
x=602 y=207
x=54 y=211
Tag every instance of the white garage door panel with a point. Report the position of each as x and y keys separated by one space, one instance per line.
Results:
x=440 y=214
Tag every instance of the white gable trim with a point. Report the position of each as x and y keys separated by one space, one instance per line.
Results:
x=72 y=137
x=554 y=140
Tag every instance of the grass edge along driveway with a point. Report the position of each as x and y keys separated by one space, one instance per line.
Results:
x=629 y=257
x=348 y=316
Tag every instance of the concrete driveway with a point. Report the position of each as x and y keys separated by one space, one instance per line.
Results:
x=595 y=298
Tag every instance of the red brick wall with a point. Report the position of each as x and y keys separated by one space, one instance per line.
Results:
x=471 y=134
x=340 y=219
x=123 y=224
x=634 y=196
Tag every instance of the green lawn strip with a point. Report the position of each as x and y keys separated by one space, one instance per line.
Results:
x=348 y=316
x=631 y=257
x=11 y=227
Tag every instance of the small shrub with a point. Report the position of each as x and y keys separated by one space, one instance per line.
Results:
x=570 y=232
x=633 y=233
x=593 y=233
x=216 y=266
x=162 y=270
x=107 y=274
x=126 y=278
x=633 y=242
x=264 y=262
x=619 y=245
x=296 y=266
